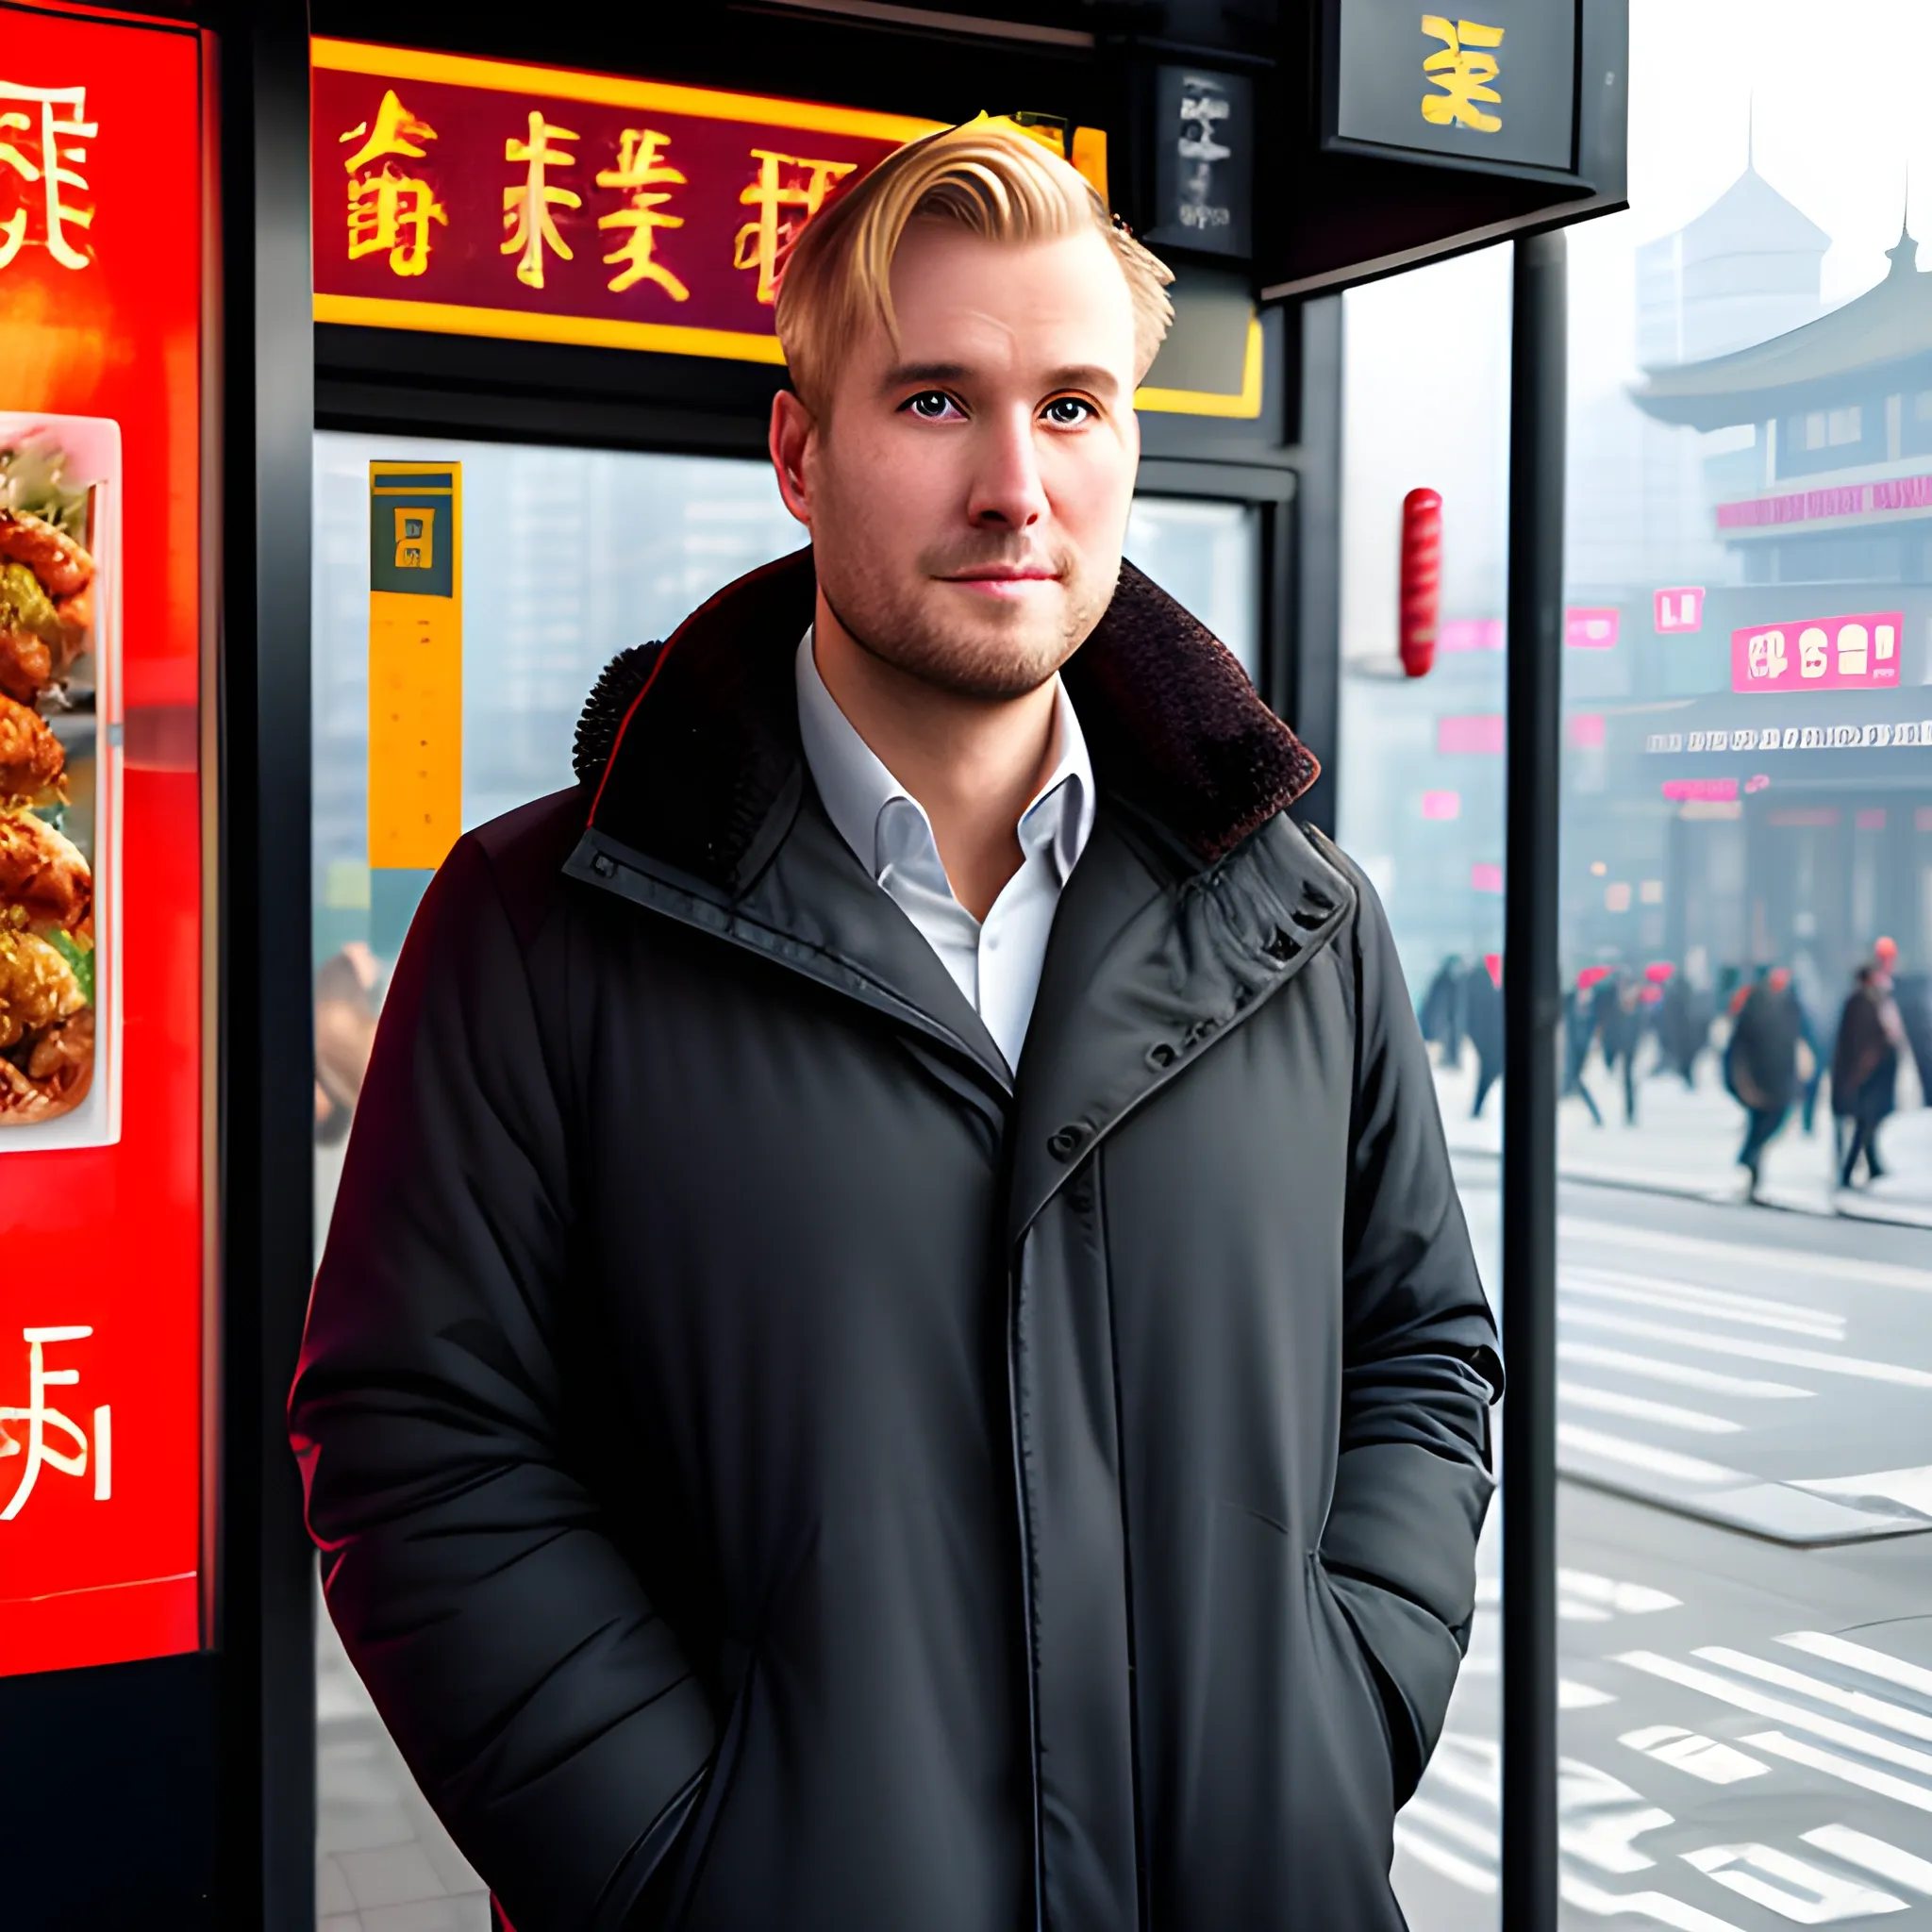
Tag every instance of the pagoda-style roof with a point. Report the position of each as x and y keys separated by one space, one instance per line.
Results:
x=1882 y=337
x=1751 y=217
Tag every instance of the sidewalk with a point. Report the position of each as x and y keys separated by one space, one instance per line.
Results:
x=1686 y=1142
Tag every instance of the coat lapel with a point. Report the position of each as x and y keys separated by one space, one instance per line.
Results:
x=1195 y=899
x=1151 y=963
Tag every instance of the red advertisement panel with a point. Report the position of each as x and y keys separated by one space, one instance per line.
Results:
x=481 y=197
x=1856 y=652
x=102 y=1167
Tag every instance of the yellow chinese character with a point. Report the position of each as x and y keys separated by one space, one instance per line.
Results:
x=40 y=1418
x=1463 y=76
x=393 y=212
x=640 y=166
x=390 y=212
x=396 y=132
x=758 y=242
x=526 y=208
x=416 y=539
x=52 y=170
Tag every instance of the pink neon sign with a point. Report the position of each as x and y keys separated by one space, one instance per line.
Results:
x=1855 y=652
x=1590 y=628
x=1677 y=609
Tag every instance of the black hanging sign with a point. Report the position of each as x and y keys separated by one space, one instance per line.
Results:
x=1493 y=88
x=1204 y=162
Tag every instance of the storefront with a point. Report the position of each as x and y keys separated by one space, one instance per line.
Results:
x=441 y=373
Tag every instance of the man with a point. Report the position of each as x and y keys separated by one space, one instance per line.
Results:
x=1864 y=1067
x=1761 y=1065
x=898 y=1352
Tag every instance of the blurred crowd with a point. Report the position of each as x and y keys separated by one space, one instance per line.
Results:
x=1775 y=1050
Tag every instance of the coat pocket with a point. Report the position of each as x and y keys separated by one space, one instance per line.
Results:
x=1363 y=1669
x=697 y=1846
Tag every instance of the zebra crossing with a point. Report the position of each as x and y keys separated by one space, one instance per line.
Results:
x=1829 y=1735
x=1767 y=1388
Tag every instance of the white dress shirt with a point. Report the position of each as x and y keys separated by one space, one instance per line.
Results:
x=995 y=963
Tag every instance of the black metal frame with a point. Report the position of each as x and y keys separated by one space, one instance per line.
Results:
x=201 y=1767
x=1532 y=1027
x=230 y=1838
x=265 y=1631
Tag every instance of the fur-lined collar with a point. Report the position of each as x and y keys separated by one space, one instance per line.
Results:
x=691 y=745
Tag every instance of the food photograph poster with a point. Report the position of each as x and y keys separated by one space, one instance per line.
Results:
x=59 y=767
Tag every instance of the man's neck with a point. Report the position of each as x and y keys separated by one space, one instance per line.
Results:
x=973 y=764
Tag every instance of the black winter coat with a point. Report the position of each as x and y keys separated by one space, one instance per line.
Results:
x=1761 y=1062
x=774 y=1469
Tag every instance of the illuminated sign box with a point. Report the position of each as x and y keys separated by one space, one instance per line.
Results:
x=1491 y=87
x=1856 y=652
x=105 y=1511
x=484 y=198
x=479 y=197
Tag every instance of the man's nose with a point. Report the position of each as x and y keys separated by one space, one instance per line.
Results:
x=1006 y=488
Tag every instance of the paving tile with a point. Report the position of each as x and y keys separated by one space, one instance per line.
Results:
x=332 y=1893
x=361 y=1827
x=469 y=1914
x=400 y=1875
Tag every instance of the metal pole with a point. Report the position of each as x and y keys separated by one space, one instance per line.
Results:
x=1532 y=1017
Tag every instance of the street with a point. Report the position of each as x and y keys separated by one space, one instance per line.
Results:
x=1744 y=1416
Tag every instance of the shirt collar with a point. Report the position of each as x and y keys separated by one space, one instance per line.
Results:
x=859 y=794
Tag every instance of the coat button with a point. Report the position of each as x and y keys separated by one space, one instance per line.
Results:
x=1063 y=1142
x=1162 y=1054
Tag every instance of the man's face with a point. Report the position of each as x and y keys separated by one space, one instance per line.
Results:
x=967 y=489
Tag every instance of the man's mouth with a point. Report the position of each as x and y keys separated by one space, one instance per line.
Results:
x=1002 y=579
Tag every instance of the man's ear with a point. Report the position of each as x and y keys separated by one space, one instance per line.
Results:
x=793 y=428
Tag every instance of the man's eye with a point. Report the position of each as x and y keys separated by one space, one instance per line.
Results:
x=1069 y=413
x=933 y=405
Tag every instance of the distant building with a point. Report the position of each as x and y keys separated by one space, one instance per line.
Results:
x=1747 y=268
x=1841 y=408
x=1796 y=821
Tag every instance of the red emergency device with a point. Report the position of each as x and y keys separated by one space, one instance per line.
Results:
x=1422 y=579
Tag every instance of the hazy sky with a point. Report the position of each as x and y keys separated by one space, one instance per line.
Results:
x=1843 y=109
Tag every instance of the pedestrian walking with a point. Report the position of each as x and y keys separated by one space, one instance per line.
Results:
x=1579 y=1028
x=1441 y=1011
x=1483 y=1018
x=1761 y=1065
x=1864 y=1069
x=1618 y=1028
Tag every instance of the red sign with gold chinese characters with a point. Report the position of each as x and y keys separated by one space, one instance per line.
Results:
x=475 y=197
x=105 y=1518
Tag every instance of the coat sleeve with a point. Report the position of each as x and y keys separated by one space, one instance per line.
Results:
x=544 y=1707
x=1420 y=1371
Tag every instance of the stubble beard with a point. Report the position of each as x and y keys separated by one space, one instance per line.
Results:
x=965 y=660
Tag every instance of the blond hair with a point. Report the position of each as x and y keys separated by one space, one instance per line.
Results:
x=989 y=177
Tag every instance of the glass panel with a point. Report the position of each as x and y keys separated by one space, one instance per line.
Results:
x=568 y=555
x=1420 y=810
x=1744 y=1394
x=1208 y=556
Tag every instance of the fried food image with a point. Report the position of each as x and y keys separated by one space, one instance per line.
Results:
x=44 y=873
x=31 y=761
x=26 y=664
x=49 y=1035
x=53 y=556
x=57 y=1076
x=38 y=644
x=36 y=987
